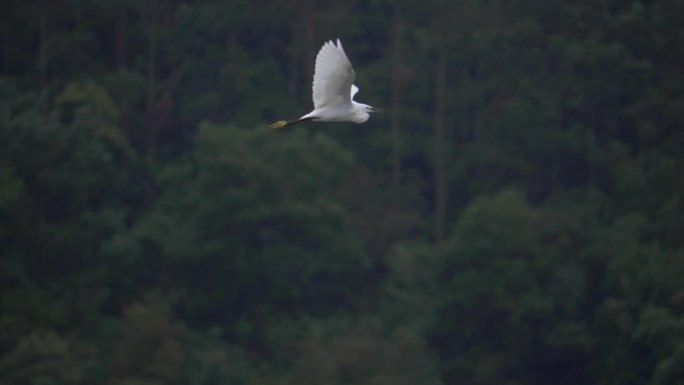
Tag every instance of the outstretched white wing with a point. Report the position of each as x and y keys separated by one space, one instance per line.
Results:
x=333 y=77
x=354 y=90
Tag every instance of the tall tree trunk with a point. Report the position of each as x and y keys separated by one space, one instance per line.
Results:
x=122 y=63
x=6 y=52
x=151 y=78
x=310 y=50
x=440 y=172
x=592 y=149
x=42 y=54
x=397 y=84
x=6 y=45
x=477 y=103
x=121 y=46
x=292 y=73
x=295 y=49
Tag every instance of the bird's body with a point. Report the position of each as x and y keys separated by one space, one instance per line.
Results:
x=333 y=90
x=347 y=112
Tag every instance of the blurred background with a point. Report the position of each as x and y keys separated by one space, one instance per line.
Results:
x=517 y=217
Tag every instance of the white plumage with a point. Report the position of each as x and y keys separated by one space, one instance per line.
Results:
x=333 y=90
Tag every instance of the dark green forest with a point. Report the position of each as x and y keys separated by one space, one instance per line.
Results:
x=516 y=217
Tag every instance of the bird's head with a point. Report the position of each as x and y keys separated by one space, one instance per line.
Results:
x=363 y=112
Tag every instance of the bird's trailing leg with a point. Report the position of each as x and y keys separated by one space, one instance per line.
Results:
x=283 y=123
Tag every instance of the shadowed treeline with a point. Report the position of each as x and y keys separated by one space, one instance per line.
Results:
x=515 y=218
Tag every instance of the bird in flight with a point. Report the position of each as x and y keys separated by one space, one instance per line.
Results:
x=333 y=90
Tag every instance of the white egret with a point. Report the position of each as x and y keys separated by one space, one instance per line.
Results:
x=333 y=90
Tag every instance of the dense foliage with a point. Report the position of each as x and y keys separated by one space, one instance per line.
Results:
x=517 y=217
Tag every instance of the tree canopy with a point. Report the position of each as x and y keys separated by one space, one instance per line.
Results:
x=517 y=217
